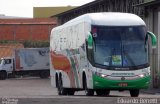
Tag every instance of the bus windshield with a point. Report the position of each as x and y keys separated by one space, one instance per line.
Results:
x=120 y=47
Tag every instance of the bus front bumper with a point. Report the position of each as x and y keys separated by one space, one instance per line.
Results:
x=103 y=83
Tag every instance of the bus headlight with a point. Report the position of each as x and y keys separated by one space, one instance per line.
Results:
x=141 y=75
x=101 y=75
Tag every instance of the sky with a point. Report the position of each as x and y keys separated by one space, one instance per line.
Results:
x=24 y=8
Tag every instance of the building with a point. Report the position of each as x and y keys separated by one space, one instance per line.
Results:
x=149 y=10
x=152 y=19
x=101 y=6
x=21 y=29
x=45 y=12
x=32 y=29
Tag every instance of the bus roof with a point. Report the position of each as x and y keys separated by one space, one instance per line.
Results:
x=109 y=19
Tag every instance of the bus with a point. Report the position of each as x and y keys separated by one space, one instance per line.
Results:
x=100 y=52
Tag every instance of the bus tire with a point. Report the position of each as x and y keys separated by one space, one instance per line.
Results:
x=61 y=90
x=88 y=92
x=102 y=92
x=56 y=80
x=134 y=93
x=3 y=75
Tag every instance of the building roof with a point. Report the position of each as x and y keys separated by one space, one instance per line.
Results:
x=51 y=21
x=100 y=6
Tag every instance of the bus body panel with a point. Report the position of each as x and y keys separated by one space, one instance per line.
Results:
x=72 y=60
x=136 y=79
x=103 y=83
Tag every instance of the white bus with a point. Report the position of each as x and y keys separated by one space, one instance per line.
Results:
x=99 y=52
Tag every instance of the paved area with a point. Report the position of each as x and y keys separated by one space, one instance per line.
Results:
x=153 y=91
x=34 y=90
x=34 y=87
x=28 y=87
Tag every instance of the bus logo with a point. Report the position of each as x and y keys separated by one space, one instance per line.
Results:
x=123 y=78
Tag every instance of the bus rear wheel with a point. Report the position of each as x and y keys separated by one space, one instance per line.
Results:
x=88 y=92
x=61 y=90
x=134 y=93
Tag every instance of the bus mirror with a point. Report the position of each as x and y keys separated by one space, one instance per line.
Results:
x=153 y=38
x=90 y=41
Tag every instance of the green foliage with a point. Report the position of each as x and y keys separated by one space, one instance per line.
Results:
x=28 y=44
x=35 y=44
x=7 y=42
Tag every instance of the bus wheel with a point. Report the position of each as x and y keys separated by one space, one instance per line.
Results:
x=3 y=75
x=102 y=92
x=61 y=90
x=89 y=92
x=134 y=93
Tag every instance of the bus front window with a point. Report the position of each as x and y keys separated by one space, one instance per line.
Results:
x=120 y=46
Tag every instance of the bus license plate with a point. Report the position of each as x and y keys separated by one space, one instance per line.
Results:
x=123 y=84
